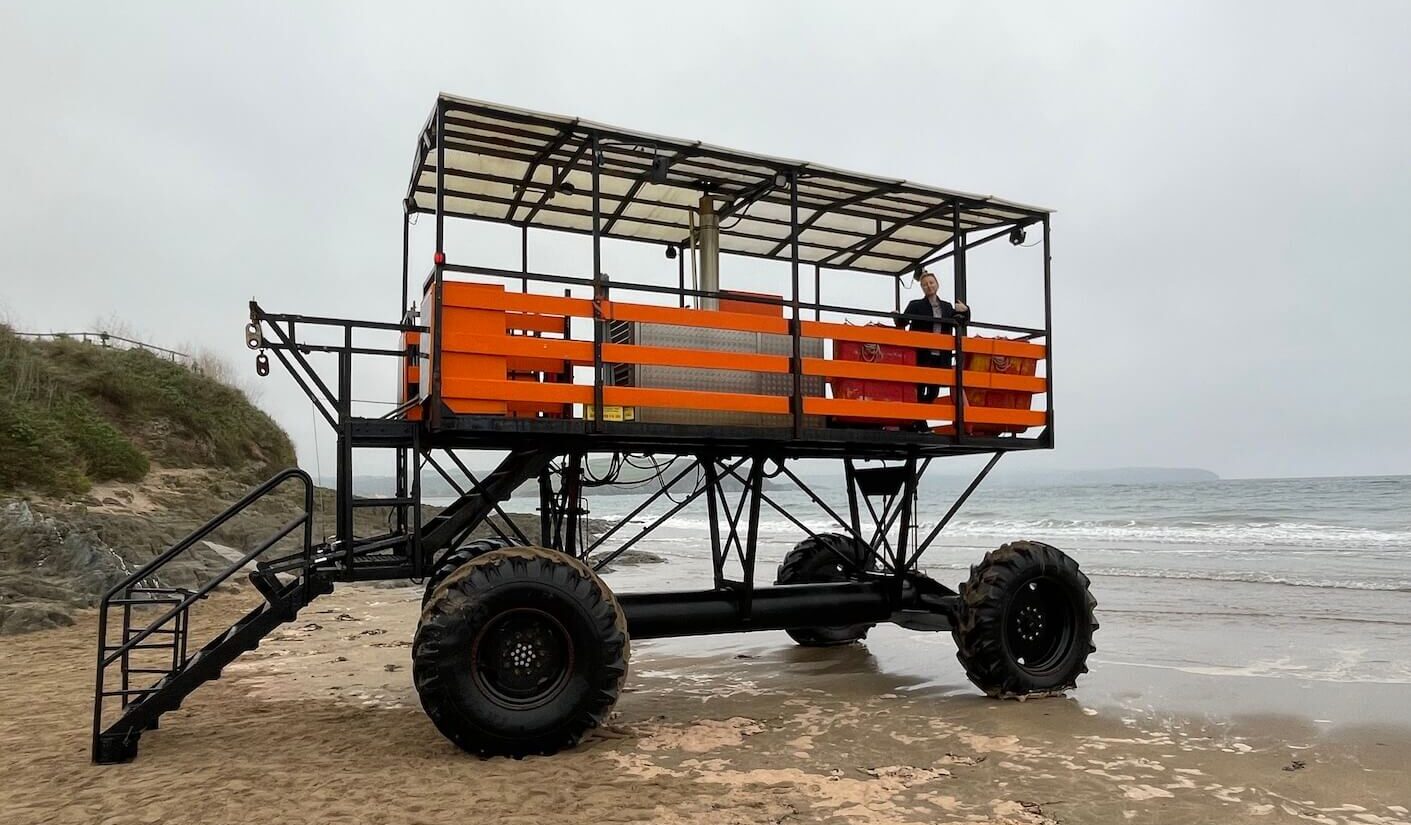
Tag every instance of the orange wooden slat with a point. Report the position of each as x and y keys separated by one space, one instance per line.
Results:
x=533 y=322
x=876 y=409
x=877 y=372
x=1000 y=346
x=482 y=389
x=695 y=399
x=933 y=412
x=919 y=340
x=579 y=352
x=705 y=318
x=877 y=335
x=704 y=359
x=476 y=296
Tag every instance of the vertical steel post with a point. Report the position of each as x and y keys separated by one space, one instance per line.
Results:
x=420 y=567
x=573 y=493
x=1048 y=333
x=904 y=520
x=817 y=292
x=854 y=512
x=756 y=492
x=438 y=262
x=599 y=294
x=546 y=507
x=958 y=396
x=717 y=554
x=524 y=258
x=344 y=505
x=681 y=278
x=796 y=321
x=406 y=262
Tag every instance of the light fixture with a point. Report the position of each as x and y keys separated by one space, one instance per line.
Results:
x=660 y=165
x=671 y=252
x=1016 y=235
x=567 y=188
x=781 y=180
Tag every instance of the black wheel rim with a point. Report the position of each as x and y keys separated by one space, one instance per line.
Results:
x=522 y=658
x=1038 y=626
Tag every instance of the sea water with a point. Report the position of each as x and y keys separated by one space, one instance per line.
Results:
x=1270 y=594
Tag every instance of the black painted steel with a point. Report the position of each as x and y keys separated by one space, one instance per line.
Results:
x=705 y=612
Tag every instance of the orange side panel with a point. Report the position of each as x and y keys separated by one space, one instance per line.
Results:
x=457 y=365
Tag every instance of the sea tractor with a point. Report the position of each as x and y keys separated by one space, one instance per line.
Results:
x=521 y=646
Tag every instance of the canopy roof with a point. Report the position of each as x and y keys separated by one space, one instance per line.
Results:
x=535 y=169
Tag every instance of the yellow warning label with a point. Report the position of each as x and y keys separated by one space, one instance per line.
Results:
x=611 y=412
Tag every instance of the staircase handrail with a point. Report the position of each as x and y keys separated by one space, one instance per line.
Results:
x=305 y=519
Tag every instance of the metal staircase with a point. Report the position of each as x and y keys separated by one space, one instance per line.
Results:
x=149 y=668
x=159 y=649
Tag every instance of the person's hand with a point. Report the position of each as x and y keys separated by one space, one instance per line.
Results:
x=961 y=306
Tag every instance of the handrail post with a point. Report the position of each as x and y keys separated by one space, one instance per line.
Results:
x=795 y=321
x=957 y=330
x=599 y=289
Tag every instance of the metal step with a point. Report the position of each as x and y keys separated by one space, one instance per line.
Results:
x=118 y=743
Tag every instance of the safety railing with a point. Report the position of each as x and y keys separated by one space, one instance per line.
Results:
x=477 y=327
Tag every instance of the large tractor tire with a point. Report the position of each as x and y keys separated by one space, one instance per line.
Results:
x=827 y=557
x=520 y=651
x=450 y=562
x=1026 y=622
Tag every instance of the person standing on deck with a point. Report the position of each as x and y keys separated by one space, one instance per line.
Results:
x=945 y=317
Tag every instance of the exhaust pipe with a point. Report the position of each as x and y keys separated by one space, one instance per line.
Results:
x=708 y=240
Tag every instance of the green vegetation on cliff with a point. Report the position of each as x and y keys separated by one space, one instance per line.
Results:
x=73 y=414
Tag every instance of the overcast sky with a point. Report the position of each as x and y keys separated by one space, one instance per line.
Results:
x=1232 y=264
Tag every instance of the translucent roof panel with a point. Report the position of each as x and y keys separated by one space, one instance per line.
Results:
x=535 y=169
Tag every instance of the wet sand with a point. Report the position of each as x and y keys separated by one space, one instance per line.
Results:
x=322 y=725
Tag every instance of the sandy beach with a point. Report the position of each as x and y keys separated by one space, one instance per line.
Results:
x=321 y=725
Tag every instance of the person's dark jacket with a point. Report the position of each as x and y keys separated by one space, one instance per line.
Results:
x=944 y=324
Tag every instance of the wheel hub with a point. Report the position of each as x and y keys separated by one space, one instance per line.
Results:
x=522 y=658
x=1039 y=630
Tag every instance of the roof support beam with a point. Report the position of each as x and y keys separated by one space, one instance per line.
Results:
x=559 y=175
x=549 y=148
x=866 y=245
x=639 y=183
x=823 y=210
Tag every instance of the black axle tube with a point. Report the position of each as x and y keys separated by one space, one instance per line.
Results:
x=704 y=612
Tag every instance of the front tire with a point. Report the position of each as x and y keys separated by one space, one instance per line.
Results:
x=451 y=561
x=520 y=651
x=1026 y=622
x=827 y=557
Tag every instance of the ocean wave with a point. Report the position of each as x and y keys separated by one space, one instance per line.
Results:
x=1245 y=576
x=1249 y=533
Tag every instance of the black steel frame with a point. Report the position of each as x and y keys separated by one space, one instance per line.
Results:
x=554 y=453
x=740 y=455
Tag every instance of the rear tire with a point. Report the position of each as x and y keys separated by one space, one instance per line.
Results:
x=1026 y=622
x=827 y=557
x=520 y=651
x=448 y=563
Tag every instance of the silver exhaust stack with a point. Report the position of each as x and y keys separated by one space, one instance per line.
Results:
x=708 y=239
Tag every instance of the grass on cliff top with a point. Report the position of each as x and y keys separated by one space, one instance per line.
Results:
x=73 y=414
